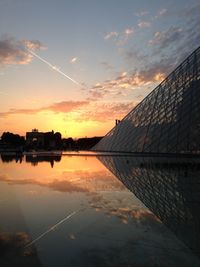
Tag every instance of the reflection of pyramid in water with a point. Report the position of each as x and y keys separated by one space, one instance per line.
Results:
x=169 y=187
x=167 y=120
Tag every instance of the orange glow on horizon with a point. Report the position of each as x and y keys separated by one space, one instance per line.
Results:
x=47 y=121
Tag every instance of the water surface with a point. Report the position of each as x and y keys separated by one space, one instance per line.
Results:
x=76 y=211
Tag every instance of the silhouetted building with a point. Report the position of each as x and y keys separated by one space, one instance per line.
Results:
x=35 y=138
x=167 y=120
x=43 y=140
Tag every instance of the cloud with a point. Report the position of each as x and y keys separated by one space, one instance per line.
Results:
x=73 y=60
x=155 y=73
x=192 y=11
x=129 y=31
x=120 y=38
x=59 y=107
x=144 y=24
x=167 y=38
x=105 y=111
x=191 y=33
x=127 y=215
x=34 y=45
x=13 y=244
x=123 y=209
x=65 y=106
x=81 y=110
x=142 y=13
x=14 y=52
x=137 y=57
x=74 y=181
x=168 y=49
x=162 y=12
x=125 y=35
x=110 y=87
x=176 y=43
x=111 y=35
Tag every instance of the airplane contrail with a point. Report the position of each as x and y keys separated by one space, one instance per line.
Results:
x=52 y=228
x=52 y=66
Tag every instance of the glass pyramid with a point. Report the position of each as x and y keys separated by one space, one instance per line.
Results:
x=167 y=120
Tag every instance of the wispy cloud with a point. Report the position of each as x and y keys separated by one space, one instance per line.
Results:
x=107 y=111
x=176 y=43
x=34 y=45
x=128 y=31
x=162 y=12
x=120 y=38
x=167 y=38
x=111 y=35
x=72 y=180
x=191 y=33
x=96 y=111
x=178 y=40
x=125 y=35
x=22 y=52
x=192 y=11
x=59 y=107
x=12 y=243
x=13 y=51
x=73 y=60
x=155 y=73
x=136 y=56
x=166 y=49
x=144 y=24
x=66 y=106
x=142 y=13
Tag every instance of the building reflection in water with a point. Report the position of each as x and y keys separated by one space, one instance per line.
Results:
x=170 y=188
x=34 y=159
x=9 y=157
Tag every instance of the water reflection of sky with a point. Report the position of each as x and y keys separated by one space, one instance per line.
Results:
x=79 y=214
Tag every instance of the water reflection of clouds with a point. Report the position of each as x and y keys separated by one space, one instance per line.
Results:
x=77 y=181
x=115 y=229
x=122 y=207
x=95 y=185
x=12 y=249
x=71 y=236
x=70 y=178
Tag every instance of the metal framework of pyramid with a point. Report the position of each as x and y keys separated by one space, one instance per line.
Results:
x=167 y=120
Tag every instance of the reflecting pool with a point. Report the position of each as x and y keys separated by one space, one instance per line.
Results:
x=104 y=210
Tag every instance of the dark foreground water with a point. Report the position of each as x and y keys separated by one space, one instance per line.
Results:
x=99 y=211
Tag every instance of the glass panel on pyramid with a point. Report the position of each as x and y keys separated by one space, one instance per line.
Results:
x=167 y=120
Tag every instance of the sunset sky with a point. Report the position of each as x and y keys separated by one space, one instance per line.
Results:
x=76 y=66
